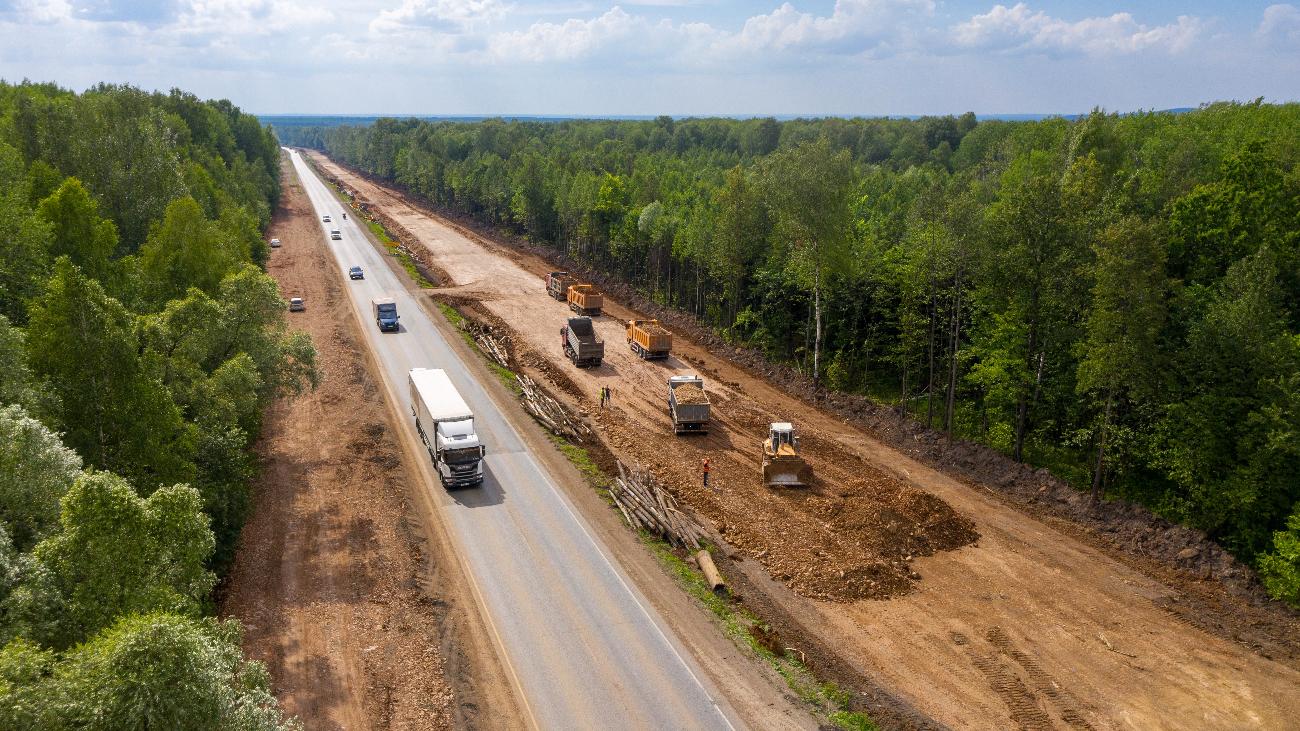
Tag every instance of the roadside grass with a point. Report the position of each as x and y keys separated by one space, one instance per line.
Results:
x=461 y=323
x=745 y=629
x=581 y=459
x=380 y=233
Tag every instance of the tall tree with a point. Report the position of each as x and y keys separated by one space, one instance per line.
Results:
x=24 y=250
x=807 y=189
x=740 y=230
x=1120 y=356
x=186 y=250
x=1212 y=437
x=78 y=231
x=153 y=671
x=1033 y=287
x=116 y=554
x=116 y=417
x=35 y=472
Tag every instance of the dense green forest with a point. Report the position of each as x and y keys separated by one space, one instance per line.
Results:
x=1115 y=297
x=140 y=341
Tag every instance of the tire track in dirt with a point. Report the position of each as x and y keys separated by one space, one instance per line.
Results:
x=1042 y=681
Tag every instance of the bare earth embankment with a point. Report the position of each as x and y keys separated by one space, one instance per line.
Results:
x=934 y=590
x=339 y=585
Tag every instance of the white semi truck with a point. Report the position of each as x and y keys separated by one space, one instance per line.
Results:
x=446 y=426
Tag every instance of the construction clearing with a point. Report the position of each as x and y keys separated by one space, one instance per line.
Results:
x=933 y=597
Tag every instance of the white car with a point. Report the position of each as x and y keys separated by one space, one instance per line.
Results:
x=325 y=218
x=296 y=304
x=275 y=243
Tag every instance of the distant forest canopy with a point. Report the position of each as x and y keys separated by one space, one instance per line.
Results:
x=140 y=343
x=1116 y=297
x=282 y=122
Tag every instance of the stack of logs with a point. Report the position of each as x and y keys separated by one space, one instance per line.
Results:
x=551 y=413
x=495 y=348
x=648 y=506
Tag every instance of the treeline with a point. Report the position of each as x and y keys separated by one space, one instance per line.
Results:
x=140 y=341
x=1116 y=297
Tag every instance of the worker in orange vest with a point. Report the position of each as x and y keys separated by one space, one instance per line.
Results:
x=705 y=468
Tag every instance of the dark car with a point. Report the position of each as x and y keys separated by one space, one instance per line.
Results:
x=356 y=273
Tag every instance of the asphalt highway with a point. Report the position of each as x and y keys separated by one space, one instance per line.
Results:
x=587 y=650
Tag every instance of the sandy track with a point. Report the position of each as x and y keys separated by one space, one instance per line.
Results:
x=1027 y=628
x=333 y=581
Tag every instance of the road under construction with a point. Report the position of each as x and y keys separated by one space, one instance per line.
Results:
x=958 y=604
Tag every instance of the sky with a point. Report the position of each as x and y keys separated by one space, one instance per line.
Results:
x=679 y=57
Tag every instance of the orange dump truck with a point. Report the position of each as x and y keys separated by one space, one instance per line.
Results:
x=648 y=339
x=585 y=299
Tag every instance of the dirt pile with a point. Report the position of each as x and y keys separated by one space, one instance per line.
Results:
x=690 y=394
x=652 y=327
x=851 y=535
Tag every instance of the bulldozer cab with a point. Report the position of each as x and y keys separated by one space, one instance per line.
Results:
x=782 y=435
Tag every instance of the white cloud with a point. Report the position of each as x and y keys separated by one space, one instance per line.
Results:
x=223 y=20
x=1280 y=26
x=574 y=38
x=43 y=11
x=448 y=14
x=853 y=26
x=1020 y=29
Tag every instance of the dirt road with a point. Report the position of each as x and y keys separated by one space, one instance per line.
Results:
x=344 y=595
x=971 y=611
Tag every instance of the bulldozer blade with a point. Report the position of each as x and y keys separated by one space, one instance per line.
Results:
x=787 y=477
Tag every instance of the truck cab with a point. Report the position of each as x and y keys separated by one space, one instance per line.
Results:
x=446 y=427
x=460 y=456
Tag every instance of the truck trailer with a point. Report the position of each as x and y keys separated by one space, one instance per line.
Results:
x=585 y=299
x=446 y=426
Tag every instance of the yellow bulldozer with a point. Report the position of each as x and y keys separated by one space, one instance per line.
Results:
x=782 y=465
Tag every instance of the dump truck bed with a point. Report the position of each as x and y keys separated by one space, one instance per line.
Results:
x=586 y=299
x=581 y=344
x=558 y=283
x=649 y=339
x=688 y=404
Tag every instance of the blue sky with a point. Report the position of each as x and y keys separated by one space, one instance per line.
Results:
x=572 y=57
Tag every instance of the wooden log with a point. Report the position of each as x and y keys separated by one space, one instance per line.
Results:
x=622 y=510
x=710 y=571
